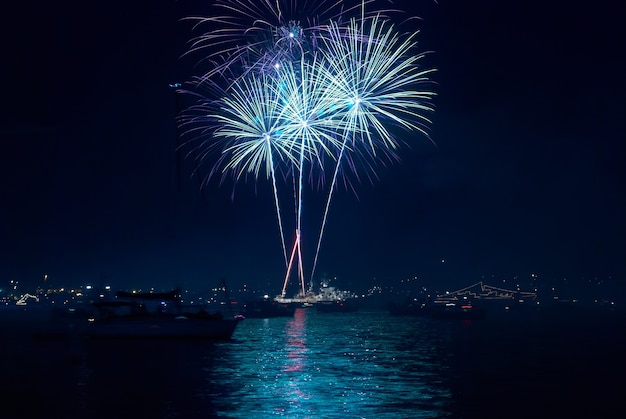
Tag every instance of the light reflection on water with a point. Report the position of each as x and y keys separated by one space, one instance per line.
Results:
x=334 y=365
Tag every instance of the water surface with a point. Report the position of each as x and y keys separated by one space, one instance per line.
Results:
x=327 y=365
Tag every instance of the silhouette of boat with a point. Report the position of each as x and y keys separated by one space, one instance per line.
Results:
x=328 y=300
x=437 y=309
x=447 y=310
x=410 y=307
x=267 y=308
x=337 y=306
x=157 y=315
x=333 y=300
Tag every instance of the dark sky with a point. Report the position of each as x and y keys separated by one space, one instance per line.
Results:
x=527 y=176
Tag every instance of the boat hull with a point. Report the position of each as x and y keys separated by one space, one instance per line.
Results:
x=437 y=311
x=338 y=306
x=175 y=327
x=265 y=309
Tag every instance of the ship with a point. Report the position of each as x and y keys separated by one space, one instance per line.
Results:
x=437 y=309
x=327 y=299
x=267 y=308
x=157 y=315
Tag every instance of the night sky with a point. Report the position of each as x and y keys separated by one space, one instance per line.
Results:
x=527 y=175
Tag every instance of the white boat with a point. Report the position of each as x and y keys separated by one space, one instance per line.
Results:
x=157 y=316
x=328 y=299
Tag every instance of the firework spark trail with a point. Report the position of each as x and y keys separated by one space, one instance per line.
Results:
x=256 y=35
x=290 y=264
x=249 y=127
x=374 y=80
x=277 y=205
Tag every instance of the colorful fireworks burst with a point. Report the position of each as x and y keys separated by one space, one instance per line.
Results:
x=312 y=92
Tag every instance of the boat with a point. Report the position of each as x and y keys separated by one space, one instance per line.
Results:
x=332 y=300
x=337 y=305
x=449 y=310
x=157 y=315
x=267 y=308
x=410 y=307
x=328 y=300
x=437 y=309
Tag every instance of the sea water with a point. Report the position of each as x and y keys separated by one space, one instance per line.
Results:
x=367 y=364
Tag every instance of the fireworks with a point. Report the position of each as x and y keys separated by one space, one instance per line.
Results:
x=290 y=97
x=248 y=35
